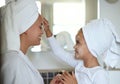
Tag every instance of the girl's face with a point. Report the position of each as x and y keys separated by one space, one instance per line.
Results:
x=81 y=50
x=35 y=32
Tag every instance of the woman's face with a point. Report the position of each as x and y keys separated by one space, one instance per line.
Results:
x=80 y=47
x=35 y=32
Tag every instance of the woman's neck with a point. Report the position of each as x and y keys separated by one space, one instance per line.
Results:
x=24 y=47
x=24 y=50
x=24 y=44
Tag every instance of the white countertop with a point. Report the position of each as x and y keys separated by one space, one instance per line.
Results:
x=47 y=61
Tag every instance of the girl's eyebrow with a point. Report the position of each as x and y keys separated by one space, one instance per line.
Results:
x=77 y=41
x=41 y=23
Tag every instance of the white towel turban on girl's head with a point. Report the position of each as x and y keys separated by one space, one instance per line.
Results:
x=101 y=37
x=17 y=17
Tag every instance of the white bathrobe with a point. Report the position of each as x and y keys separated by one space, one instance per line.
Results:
x=96 y=75
x=17 y=69
x=17 y=17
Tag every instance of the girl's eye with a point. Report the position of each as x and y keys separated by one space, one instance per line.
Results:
x=40 y=27
x=77 y=42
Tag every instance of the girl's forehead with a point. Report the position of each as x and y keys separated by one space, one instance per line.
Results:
x=79 y=35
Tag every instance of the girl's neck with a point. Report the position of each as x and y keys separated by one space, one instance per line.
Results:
x=91 y=62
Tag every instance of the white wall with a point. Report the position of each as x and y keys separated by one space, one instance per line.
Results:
x=91 y=9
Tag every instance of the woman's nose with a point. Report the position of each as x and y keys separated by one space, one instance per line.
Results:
x=42 y=31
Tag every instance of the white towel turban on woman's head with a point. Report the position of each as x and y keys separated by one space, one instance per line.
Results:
x=101 y=38
x=17 y=17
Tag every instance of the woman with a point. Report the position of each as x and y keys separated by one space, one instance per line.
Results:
x=90 y=44
x=21 y=28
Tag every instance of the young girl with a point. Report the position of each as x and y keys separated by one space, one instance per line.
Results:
x=93 y=40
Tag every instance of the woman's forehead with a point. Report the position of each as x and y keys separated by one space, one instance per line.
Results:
x=40 y=17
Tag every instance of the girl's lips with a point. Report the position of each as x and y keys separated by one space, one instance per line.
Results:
x=75 y=51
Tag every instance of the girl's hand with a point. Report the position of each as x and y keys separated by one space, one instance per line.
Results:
x=56 y=80
x=45 y=25
x=46 y=28
x=67 y=78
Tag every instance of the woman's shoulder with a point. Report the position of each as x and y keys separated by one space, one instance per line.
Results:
x=11 y=59
x=11 y=55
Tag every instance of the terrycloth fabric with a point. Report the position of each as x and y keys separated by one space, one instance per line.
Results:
x=95 y=75
x=101 y=38
x=18 y=69
x=17 y=17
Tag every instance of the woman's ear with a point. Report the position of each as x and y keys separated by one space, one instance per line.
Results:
x=24 y=33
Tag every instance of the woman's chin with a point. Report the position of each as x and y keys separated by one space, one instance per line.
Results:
x=36 y=44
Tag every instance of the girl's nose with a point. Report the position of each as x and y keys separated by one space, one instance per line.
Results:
x=74 y=46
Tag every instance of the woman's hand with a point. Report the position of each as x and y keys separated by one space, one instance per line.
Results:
x=67 y=78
